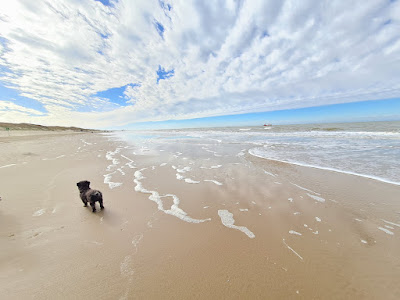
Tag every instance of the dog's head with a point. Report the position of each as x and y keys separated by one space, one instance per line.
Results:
x=83 y=185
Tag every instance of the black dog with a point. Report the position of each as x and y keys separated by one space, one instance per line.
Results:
x=89 y=195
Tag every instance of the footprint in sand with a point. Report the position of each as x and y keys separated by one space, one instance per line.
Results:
x=125 y=266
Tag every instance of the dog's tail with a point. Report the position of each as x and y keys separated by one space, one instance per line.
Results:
x=97 y=195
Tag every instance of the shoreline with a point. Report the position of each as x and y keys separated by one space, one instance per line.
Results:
x=267 y=231
x=330 y=169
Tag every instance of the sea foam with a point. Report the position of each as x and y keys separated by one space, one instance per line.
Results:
x=107 y=180
x=213 y=181
x=175 y=210
x=319 y=199
x=228 y=221
x=6 y=166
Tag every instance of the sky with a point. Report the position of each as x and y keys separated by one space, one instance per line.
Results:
x=130 y=64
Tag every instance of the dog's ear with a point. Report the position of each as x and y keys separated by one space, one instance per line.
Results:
x=83 y=183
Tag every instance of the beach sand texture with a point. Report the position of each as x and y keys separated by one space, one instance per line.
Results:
x=184 y=220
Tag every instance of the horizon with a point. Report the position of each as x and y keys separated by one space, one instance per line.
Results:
x=261 y=125
x=169 y=124
x=156 y=126
x=363 y=111
x=108 y=64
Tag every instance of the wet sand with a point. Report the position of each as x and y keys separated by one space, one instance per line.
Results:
x=315 y=233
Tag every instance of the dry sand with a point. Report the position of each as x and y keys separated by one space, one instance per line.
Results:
x=318 y=234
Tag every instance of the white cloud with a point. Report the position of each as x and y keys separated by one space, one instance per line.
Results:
x=8 y=106
x=228 y=57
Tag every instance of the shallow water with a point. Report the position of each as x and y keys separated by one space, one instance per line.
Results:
x=207 y=178
x=370 y=149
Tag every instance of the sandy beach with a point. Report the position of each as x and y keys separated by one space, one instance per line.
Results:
x=187 y=222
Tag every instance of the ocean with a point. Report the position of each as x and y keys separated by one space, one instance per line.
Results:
x=368 y=149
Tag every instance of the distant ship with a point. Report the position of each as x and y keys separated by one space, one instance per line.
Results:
x=267 y=124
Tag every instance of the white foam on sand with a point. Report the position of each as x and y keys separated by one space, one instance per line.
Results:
x=179 y=176
x=290 y=199
x=228 y=221
x=107 y=180
x=364 y=242
x=317 y=219
x=303 y=188
x=175 y=210
x=86 y=143
x=294 y=232
x=95 y=242
x=216 y=167
x=130 y=162
x=110 y=156
x=386 y=230
x=60 y=156
x=243 y=209
x=163 y=164
x=184 y=170
x=391 y=223
x=291 y=249
x=273 y=175
x=188 y=180
x=212 y=167
x=242 y=153
x=213 y=152
x=6 y=166
x=213 y=181
x=39 y=212
x=319 y=199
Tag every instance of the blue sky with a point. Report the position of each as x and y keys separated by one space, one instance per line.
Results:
x=364 y=111
x=122 y=64
x=14 y=96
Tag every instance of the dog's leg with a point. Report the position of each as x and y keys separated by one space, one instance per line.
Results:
x=92 y=204
x=101 y=203
x=84 y=202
